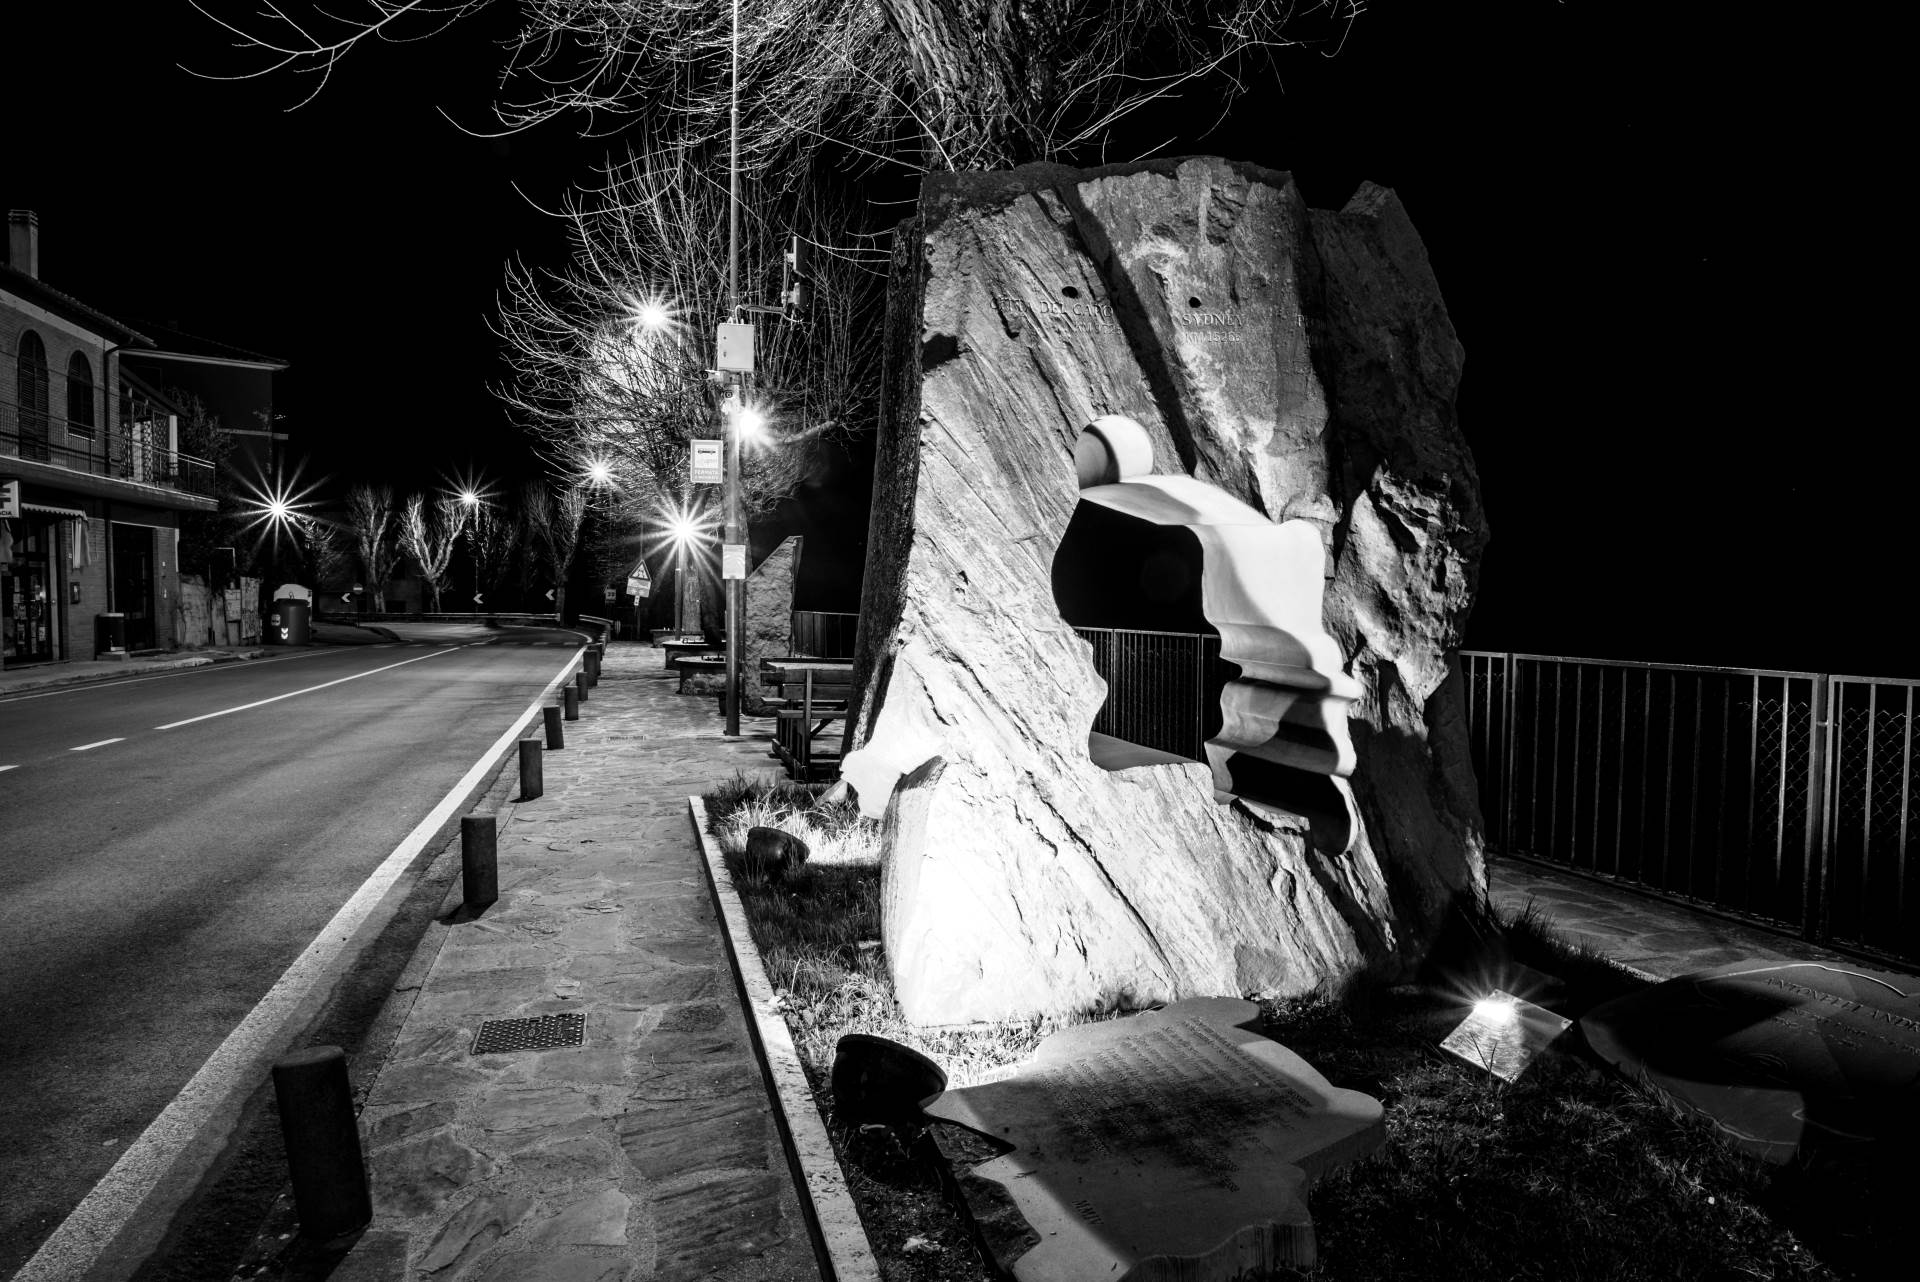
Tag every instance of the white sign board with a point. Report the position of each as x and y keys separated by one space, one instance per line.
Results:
x=9 y=499
x=639 y=582
x=733 y=561
x=705 y=465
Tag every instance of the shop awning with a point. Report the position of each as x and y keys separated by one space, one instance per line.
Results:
x=71 y=513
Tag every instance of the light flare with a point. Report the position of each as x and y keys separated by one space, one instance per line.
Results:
x=276 y=507
x=648 y=314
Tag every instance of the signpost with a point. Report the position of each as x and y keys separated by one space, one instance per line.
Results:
x=705 y=466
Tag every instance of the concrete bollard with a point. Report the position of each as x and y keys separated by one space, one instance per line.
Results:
x=580 y=683
x=479 y=860
x=570 y=702
x=592 y=660
x=323 y=1142
x=556 y=738
x=532 y=776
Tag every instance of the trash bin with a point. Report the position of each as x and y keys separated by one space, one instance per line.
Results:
x=291 y=622
x=109 y=633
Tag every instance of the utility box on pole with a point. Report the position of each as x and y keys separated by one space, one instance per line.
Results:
x=733 y=346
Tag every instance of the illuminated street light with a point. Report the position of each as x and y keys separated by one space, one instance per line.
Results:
x=649 y=315
x=275 y=508
x=685 y=527
x=750 y=422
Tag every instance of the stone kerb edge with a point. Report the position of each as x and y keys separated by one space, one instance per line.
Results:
x=823 y=1190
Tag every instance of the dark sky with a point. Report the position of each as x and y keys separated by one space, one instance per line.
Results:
x=1634 y=218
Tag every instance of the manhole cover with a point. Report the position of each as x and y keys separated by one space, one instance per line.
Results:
x=538 y=1033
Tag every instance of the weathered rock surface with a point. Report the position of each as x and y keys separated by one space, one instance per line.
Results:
x=768 y=620
x=1301 y=361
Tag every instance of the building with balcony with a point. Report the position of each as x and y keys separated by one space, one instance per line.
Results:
x=93 y=483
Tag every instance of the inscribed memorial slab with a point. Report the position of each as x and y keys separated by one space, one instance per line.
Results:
x=1175 y=1134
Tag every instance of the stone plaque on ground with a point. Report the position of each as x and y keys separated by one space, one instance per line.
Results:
x=1502 y=1034
x=1779 y=1054
x=1175 y=1139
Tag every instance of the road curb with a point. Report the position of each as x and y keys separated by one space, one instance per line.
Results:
x=822 y=1185
x=121 y=1221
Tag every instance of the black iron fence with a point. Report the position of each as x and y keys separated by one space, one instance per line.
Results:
x=1787 y=796
x=136 y=453
x=1157 y=685
x=821 y=635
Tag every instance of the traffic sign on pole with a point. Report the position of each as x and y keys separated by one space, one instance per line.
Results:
x=705 y=466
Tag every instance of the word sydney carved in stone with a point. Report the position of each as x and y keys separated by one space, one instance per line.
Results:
x=1176 y=1134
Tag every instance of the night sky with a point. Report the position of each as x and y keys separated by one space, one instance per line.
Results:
x=1634 y=217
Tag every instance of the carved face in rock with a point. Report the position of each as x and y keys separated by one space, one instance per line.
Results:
x=1212 y=641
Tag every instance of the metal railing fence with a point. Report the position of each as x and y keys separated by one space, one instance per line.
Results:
x=1156 y=687
x=137 y=455
x=823 y=635
x=1782 y=795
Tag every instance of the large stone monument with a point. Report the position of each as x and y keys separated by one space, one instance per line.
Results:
x=1298 y=365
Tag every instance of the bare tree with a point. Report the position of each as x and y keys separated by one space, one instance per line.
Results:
x=492 y=537
x=550 y=528
x=429 y=530
x=924 y=84
x=370 y=525
x=592 y=382
x=325 y=558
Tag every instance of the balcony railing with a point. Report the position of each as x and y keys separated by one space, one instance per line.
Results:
x=1787 y=796
x=135 y=453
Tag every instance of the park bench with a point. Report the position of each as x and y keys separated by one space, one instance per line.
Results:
x=812 y=697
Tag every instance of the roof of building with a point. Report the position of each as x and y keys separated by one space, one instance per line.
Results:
x=174 y=344
x=37 y=291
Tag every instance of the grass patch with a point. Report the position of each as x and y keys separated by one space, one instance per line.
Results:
x=1569 y=1173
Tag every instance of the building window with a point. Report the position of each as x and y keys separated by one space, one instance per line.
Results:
x=79 y=396
x=30 y=388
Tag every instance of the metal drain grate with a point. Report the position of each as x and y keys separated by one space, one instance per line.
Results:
x=539 y=1033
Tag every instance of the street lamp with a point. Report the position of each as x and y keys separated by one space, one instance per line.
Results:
x=685 y=526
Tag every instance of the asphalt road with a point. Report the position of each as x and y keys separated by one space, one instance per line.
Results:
x=170 y=844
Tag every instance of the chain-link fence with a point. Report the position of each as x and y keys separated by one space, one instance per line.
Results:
x=1728 y=786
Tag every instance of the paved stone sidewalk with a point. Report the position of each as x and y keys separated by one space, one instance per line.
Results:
x=652 y=1150
x=1660 y=939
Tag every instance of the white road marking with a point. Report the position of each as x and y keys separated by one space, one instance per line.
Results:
x=88 y=747
x=261 y=703
x=6 y=768
x=114 y=683
x=238 y=1064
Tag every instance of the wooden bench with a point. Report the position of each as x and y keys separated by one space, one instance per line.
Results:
x=811 y=699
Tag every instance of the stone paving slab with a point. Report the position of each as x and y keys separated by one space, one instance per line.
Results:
x=652 y=1150
x=1655 y=938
